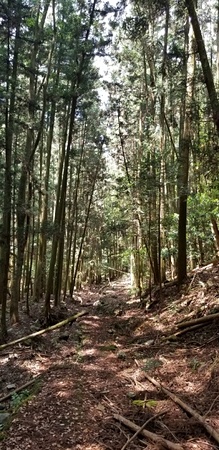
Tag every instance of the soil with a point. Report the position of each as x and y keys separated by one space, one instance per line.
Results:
x=97 y=366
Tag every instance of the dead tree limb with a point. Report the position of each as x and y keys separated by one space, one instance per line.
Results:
x=212 y=431
x=203 y=319
x=45 y=330
x=179 y=333
x=24 y=386
x=152 y=436
x=141 y=428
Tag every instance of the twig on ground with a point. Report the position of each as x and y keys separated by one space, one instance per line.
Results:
x=110 y=404
x=214 y=338
x=209 y=410
x=163 y=425
x=107 y=446
x=152 y=436
x=191 y=283
x=121 y=430
x=212 y=431
x=142 y=427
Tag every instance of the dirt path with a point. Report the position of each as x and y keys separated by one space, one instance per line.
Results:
x=97 y=366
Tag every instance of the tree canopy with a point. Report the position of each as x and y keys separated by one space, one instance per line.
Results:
x=109 y=120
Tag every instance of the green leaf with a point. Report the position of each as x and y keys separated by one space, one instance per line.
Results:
x=150 y=403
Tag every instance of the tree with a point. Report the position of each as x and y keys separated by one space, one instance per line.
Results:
x=207 y=72
x=12 y=21
x=184 y=151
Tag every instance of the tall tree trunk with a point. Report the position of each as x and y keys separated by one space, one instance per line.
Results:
x=207 y=72
x=162 y=191
x=73 y=228
x=39 y=284
x=61 y=204
x=30 y=149
x=60 y=211
x=185 y=143
x=9 y=132
x=87 y=216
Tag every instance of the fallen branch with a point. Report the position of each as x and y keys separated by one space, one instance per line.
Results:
x=141 y=428
x=212 y=431
x=191 y=283
x=152 y=436
x=179 y=333
x=45 y=330
x=208 y=266
x=24 y=386
x=208 y=318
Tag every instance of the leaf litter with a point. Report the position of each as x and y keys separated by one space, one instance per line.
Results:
x=84 y=380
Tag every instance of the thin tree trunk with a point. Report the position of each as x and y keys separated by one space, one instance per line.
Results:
x=41 y=262
x=87 y=217
x=61 y=204
x=74 y=214
x=184 y=156
x=30 y=149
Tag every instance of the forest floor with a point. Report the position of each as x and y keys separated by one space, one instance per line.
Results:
x=97 y=367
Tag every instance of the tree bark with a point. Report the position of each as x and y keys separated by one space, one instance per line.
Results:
x=9 y=132
x=207 y=72
x=184 y=151
x=216 y=231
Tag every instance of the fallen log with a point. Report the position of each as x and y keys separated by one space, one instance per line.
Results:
x=148 y=434
x=45 y=330
x=208 y=266
x=212 y=431
x=173 y=336
x=208 y=318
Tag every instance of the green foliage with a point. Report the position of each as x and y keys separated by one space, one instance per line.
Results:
x=194 y=364
x=151 y=364
x=143 y=403
x=18 y=399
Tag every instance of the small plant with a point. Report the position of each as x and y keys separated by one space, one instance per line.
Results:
x=2 y=434
x=151 y=364
x=194 y=364
x=19 y=399
x=80 y=358
x=122 y=356
x=149 y=403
